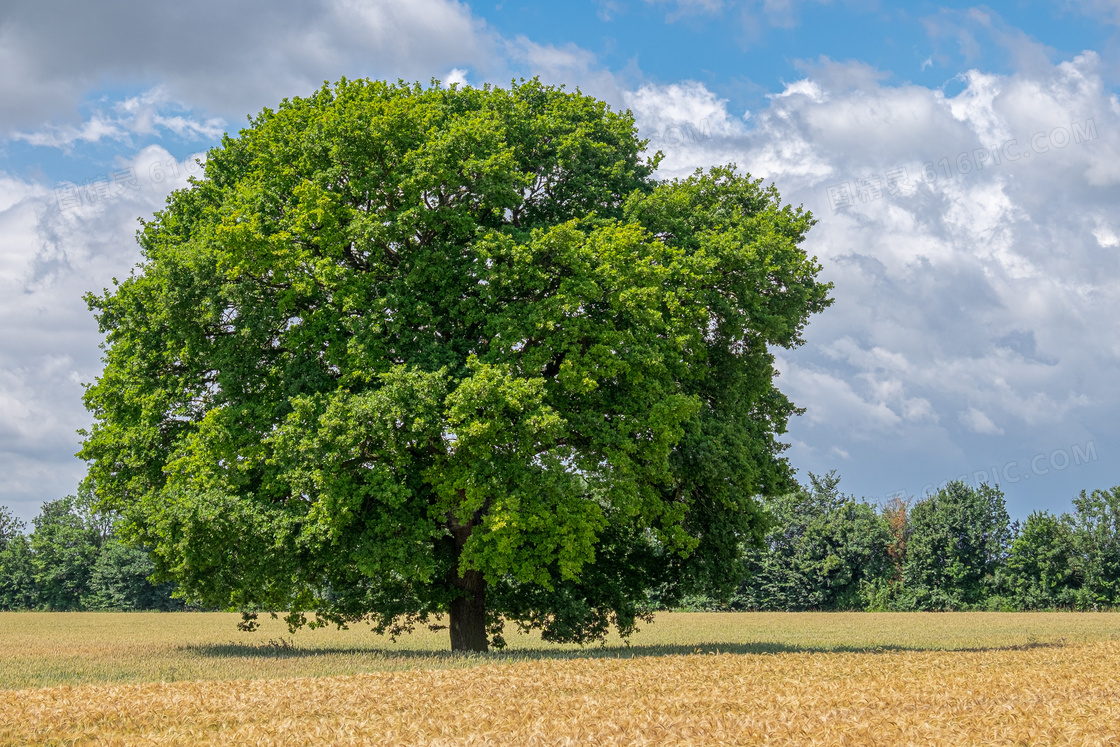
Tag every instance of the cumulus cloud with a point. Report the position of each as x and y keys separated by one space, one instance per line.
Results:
x=688 y=124
x=457 y=76
x=972 y=240
x=151 y=113
x=569 y=65
x=229 y=60
x=55 y=246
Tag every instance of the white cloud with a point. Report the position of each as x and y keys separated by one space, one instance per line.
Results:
x=229 y=60
x=979 y=422
x=91 y=131
x=974 y=297
x=457 y=76
x=569 y=65
x=147 y=114
x=1106 y=237
x=50 y=255
x=144 y=115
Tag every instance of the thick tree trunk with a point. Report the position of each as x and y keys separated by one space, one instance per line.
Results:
x=468 y=610
x=468 y=613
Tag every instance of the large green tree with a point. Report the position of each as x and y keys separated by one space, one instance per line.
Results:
x=406 y=351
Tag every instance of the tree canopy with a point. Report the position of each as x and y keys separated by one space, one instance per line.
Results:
x=956 y=541
x=823 y=548
x=406 y=351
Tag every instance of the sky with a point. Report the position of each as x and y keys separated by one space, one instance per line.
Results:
x=962 y=163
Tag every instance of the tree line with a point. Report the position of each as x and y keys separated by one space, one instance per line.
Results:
x=73 y=560
x=824 y=550
x=955 y=550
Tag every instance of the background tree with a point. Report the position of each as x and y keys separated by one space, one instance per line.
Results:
x=10 y=526
x=1038 y=572
x=956 y=541
x=118 y=580
x=407 y=351
x=73 y=561
x=896 y=513
x=823 y=548
x=17 y=584
x=64 y=546
x=1095 y=557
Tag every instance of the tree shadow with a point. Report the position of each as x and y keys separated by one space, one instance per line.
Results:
x=283 y=649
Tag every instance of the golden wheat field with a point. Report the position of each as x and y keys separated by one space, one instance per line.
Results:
x=807 y=678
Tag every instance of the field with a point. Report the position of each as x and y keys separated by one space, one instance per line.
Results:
x=784 y=678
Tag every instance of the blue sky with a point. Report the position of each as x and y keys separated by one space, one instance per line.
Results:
x=743 y=52
x=963 y=162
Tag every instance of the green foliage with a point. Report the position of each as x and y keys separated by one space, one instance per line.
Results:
x=64 y=547
x=17 y=583
x=402 y=340
x=1038 y=574
x=878 y=594
x=823 y=548
x=1071 y=561
x=10 y=527
x=118 y=580
x=73 y=562
x=956 y=542
x=17 y=576
x=1094 y=561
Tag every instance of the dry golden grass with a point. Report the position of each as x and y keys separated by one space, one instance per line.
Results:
x=44 y=649
x=782 y=678
x=1034 y=695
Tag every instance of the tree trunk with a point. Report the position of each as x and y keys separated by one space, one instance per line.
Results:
x=468 y=613
x=468 y=609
